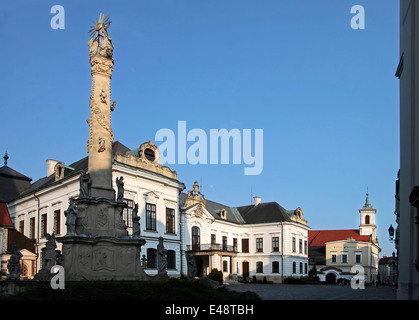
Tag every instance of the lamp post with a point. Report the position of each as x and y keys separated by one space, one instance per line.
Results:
x=391 y=233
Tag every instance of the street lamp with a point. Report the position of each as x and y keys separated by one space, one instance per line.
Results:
x=391 y=232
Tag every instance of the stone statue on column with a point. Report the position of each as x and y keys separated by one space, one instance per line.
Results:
x=162 y=258
x=71 y=217
x=13 y=266
x=136 y=232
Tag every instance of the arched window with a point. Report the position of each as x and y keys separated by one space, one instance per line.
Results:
x=367 y=219
x=171 y=259
x=151 y=258
x=275 y=267
x=196 y=238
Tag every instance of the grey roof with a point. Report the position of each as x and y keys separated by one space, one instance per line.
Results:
x=251 y=214
x=69 y=171
x=264 y=213
x=12 y=183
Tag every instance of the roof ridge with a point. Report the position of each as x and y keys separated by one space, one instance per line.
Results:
x=318 y=232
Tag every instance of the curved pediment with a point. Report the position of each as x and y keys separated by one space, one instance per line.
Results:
x=198 y=211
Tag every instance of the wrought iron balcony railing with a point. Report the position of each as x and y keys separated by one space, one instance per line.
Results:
x=211 y=247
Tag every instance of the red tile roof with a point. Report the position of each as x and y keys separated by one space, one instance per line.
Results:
x=318 y=238
x=5 y=220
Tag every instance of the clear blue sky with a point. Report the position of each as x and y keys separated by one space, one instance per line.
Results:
x=324 y=94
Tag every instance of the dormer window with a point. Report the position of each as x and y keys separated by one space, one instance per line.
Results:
x=59 y=171
x=223 y=214
x=149 y=154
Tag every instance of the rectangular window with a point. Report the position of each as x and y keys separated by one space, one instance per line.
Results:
x=300 y=245
x=225 y=266
x=235 y=248
x=294 y=245
x=333 y=257
x=245 y=245
x=259 y=244
x=275 y=244
x=344 y=258
x=32 y=228
x=127 y=213
x=170 y=220
x=43 y=225
x=150 y=216
x=22 y=226
x=213 y=238
x=224 y=243
x=357 y=257
x=259 y=267
x=305 y=246
x=57 y=222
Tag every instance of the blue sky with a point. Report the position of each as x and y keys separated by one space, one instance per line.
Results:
x=324 y=94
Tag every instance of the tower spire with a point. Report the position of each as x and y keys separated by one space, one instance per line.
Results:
x=367 y=204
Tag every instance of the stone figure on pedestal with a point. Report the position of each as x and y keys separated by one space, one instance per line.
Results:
x=191 y=266
x=136 y=232
x=120 y=185
x=71 y=217
x=48 y=252
x=13 y=266
x=84 y=184
x=48 y=259
x=162 y=258
x=144 y=261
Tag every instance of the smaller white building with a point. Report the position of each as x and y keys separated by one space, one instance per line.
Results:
x=262 y=240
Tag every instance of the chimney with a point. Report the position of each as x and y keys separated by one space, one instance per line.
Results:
x=51 y=166
x=257 y=200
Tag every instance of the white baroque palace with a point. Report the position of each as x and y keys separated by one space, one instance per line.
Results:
x=262 y=240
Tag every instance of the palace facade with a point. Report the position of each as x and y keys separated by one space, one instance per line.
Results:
x=262 y=240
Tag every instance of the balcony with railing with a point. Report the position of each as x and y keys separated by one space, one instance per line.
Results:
x=212 y=247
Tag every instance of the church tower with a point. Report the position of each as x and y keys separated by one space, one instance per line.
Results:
x=367 y=224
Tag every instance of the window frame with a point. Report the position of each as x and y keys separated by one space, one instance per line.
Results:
x=150 y=216
x=127 y=212
x=259 y=244
x=275 y=244
x=170 y=220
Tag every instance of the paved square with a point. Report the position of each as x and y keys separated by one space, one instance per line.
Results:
x=314 y=292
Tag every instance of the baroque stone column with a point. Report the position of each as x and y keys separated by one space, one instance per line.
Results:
x=97 y=245
x=101 y=137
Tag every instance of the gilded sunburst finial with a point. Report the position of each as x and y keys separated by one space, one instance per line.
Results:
x=100 y=26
